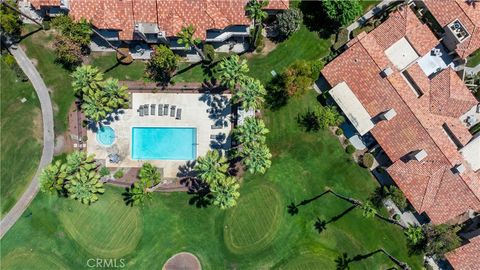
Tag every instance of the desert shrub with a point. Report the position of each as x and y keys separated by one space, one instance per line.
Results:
x=367 y=160
x=288 y=22
x=104 y=171
x=339 y=132
x=350 y=149
x=341 y=40
x=118 y=174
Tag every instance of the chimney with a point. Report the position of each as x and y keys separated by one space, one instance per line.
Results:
x=388 y=115
x=458 y=169
x=386 y=72
x=419 y=155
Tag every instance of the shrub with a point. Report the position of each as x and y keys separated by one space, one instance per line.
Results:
x=46 y=25
x=397 y=196
x=10 y=61
x=118 y=174
x=260 y=41
x=396 y=217
x=367 y=160
x=209 y=52
x=162 y=64
x=350 y=149
x=80 y=32
x=67 y=52
x=342 y=12
x=288 y=22
x=300 y=76
x=339 y=132
x=104 y=171
x=341 y=40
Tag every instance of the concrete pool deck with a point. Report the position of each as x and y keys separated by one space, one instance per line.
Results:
x=194 y=115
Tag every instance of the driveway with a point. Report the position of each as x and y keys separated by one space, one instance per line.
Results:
x=48 y=139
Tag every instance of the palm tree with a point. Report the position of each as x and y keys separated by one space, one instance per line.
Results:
x=84 y=186
x=252 y=94
x=252 y=130
x=78 y=160
x=402 y=265
x=114 y=95
x=149 y=175
x=255 y=12
x=345 y=198
x=414 y=234
x=231 y=71
x=212 y=167
x=186 y=37
x=137 y=194
x=53 y=177
x=86 y=80
x=94 y=111
x=226 y=193
x=256 y=157
x=368 y=210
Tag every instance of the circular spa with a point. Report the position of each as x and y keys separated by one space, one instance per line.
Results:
x=106 y=136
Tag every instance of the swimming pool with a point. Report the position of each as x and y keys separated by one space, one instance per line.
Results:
x=105 y=136
x=164 y=143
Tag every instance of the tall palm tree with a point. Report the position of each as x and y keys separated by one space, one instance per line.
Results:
x=84 y=186
x=186 y=37
x=226 y=193
x=252 y=130
x=402 y=265
x=345 y=198
x=137 y=194
x=255 y=12
x=251 y=94
x=115 y=95
x=86 y=80
x=231 y=71
x=12 y=7
x=414 y=234
x=212 y=167
x=256 y=157
x=94 y=111
x=53 y=177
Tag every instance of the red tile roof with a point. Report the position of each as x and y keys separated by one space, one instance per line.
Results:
x=44 y=3
x=430 y=185
x=467 y=256
x=445 y=11
x=170 y=15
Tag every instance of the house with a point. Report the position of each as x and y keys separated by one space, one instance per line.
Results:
x=398 y=84
x=466 y=257
x=460 y=20
x=158 y=21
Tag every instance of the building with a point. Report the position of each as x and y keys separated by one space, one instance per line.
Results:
x=158 y=21
x=466 y=257
x=399 y=84
x=460 y=20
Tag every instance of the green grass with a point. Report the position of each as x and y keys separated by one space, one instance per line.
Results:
x=21 y=136
x=107 y=62
x=257 y=234
x=368 y=4
x=39 y=48
x=474 y=59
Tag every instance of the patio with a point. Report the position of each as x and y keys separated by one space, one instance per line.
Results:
x=196 y=113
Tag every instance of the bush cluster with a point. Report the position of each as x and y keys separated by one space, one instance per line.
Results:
x=350 y=149
x=10 y=61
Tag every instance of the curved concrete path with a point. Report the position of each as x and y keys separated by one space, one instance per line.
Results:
x=48 y=139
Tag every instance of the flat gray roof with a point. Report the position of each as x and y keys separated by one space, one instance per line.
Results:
x=352 y=107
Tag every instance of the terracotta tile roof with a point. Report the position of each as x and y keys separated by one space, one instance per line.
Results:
x=445 y=11
x=44 y=3
x=170 y=15
x=467 y=256
x=429 y=185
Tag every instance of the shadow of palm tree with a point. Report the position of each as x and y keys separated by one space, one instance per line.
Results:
x=201 y=198
x=321 y=225
x=292 y=208
x=128 y=196
x=308 y=121
x=342 y=262
x=22 y=37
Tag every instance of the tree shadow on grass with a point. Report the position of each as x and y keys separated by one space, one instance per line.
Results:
x=292 y=208
x=22 y=37
x=277 y=95
x=316 y=20
x=320 y=225
x=343 y=261
x=308 y=121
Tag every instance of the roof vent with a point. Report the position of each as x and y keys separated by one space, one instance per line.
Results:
x=459 y=169
x=419 y=155
x=388 y=115
x=386 y=72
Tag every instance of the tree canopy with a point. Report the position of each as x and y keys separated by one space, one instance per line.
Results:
x=10 y=21
x=226 y=193
x=231 y=71
x=212 y=167
x=162 y=64
x=288 y=22
x=251 y=94
x=342 y=12
x=186 y=36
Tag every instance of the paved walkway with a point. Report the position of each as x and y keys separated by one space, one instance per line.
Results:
x=48 y=139
x=372 y=12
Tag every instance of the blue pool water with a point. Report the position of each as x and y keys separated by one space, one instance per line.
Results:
x=164 y=143
x=105 y=136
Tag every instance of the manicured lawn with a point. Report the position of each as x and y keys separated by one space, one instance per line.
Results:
x=107 y=63
x=38 y=47
x=474 y=59
x=368 y=4
x=257 y=234
x=21 y=136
